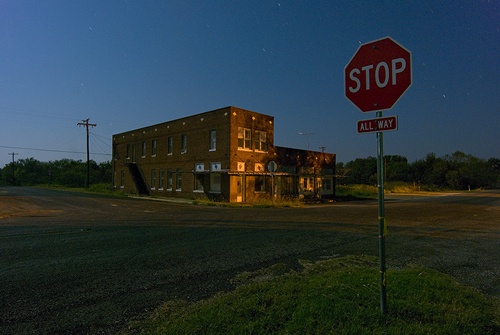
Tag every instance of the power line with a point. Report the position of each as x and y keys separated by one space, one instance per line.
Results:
x=51 y=150
x=96 y=145
x=100 y=138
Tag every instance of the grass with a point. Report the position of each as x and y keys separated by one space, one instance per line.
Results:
x=357 y=191
x=336 y=296
x=363 y=191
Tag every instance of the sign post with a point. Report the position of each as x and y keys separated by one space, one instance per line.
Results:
x=272 y=167
x=382 y=228
x=375 y=78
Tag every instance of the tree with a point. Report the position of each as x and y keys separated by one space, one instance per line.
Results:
x=396 y=168
x=362 y=171
x=66 y=172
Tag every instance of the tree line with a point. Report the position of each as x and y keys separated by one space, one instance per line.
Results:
x=457 y=171
x=64 y=172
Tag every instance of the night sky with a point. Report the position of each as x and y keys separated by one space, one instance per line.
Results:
x=129 y=64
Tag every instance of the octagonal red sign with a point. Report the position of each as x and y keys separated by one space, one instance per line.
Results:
x=377 y=75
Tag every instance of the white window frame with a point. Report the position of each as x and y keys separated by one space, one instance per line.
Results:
x=213 y=140
x=170 y=146
x=122 y=179
x=153 y=180
x=170 y=180
x=144 y=147
x=178 y=180
x=161 y=179
x=153 y=148
x=183 y=143
x=260 y=141
x=244 y=139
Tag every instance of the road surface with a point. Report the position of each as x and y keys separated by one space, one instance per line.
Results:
x=75 y=263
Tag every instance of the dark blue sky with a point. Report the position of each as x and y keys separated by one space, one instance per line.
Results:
x=128 y=64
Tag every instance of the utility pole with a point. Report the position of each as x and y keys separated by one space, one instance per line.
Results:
x=13 y=169
x=86 y=124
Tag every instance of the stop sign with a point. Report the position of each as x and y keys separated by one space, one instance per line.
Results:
x=377 y=75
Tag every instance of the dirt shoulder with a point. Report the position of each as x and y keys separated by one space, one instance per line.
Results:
x=19 y=206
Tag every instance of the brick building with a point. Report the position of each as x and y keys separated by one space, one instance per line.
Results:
x=225 y=155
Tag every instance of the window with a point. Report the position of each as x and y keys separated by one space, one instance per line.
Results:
x=153 y=179
x=170 y=145
x=213 y=140
x=260 y=140
x=244 y=138
x=143 y=153
x=260 y=184
x=127 y=155
x=153 y=148
x=178 y=179
x=161 y=178
x=199 y=179
x=308 y=184
x=122 y=179
x=183 y=143
x=169 y=179
x=133 y=153
x=215 y=182
x=288 y=185
x=326 y=184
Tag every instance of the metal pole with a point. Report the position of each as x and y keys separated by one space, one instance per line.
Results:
x=382 y=228
x=13 y=168
x=86 y=124
x=87 y=179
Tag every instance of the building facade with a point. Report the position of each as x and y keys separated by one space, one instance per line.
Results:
x=226 y=154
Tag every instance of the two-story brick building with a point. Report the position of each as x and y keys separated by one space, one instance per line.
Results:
x=227 y=155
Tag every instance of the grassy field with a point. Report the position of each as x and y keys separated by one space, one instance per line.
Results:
x=363 y=191
x=337 y=296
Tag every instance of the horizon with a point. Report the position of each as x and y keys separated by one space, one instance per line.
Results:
x=127 y=65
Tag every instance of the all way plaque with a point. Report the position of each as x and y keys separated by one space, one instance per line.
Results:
x=379 y=124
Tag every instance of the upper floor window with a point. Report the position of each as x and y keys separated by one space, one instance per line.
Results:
x=153 y=148
x=183 y=143
x=133 y=153
x=213 y=140
x=143 y=153
x=244 y=138
x=260 y=140
x=170 y=145
x=128 y=152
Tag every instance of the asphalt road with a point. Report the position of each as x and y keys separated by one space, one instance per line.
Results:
x=75 y=263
